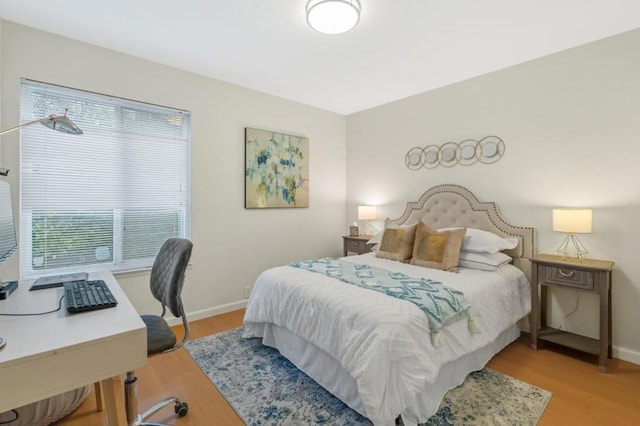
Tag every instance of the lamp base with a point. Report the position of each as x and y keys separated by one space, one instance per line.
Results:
x=368 y=229
x=572 y=248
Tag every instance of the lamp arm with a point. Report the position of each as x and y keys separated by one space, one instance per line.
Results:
x=25 y=125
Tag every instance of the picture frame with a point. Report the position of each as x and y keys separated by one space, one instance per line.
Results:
x=276 y=170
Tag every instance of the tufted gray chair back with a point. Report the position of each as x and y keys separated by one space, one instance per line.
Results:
x=167 y=274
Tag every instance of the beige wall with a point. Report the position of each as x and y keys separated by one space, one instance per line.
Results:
x=571 y=124
x=231 y=245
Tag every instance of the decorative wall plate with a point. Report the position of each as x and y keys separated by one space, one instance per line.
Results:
x=448 y=154
x=468 y=152
x=490 y=149
x=430 y=157
x=414 y=158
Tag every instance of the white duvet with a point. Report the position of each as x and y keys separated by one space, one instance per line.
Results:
x=383 y=342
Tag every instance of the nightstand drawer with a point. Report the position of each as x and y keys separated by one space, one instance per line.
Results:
x=358 y=246
x=569 y=277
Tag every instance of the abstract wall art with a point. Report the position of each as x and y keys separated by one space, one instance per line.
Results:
x=276 y=170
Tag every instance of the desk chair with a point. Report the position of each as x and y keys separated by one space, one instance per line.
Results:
x=167 y=277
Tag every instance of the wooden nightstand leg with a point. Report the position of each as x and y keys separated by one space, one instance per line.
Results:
x=533 y=316
x=610 y=331
x=605 y=316
x=543 y=306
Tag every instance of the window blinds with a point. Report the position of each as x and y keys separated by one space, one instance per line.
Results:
x=106 y=199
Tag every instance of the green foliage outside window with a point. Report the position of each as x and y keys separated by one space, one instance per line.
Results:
x=62 y=239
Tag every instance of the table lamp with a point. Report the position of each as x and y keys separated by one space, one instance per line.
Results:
x=572 y=221
x=367 y=213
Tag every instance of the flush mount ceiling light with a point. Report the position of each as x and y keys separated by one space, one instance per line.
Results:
x=333 y=16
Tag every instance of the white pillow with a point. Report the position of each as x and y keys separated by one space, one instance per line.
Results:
x=479 y=241
x=377 y=238
x=483 y=261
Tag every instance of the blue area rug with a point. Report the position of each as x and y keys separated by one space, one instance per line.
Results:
x=264 y=388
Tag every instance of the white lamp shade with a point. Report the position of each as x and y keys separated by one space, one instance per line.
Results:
x=333 y=16
x=572 y=221
x=367 y=213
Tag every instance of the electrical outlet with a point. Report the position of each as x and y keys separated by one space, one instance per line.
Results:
x=247 y=291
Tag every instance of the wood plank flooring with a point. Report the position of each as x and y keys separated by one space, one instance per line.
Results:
x=582 y=395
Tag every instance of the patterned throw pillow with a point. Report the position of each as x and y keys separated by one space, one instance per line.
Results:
x=438 y=250
x=397 y=242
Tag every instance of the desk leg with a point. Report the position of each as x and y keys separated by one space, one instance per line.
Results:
x=114 y=401
x=98 y=391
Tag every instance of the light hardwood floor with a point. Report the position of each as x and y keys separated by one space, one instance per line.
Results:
x=581 y=394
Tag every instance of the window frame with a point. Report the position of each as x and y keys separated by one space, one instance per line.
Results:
x=180 y=223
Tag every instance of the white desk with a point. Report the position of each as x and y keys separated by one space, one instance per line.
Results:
x=49 y=354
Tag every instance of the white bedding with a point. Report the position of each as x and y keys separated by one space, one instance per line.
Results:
x=384 y=342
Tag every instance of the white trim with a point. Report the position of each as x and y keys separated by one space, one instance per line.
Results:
x=209 y=312
x=626 y=354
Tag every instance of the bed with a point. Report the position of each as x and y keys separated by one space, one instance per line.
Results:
x=377 y=353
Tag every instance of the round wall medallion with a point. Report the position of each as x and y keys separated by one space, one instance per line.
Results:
x=430 y=157
x=490 y=149
x=448 y=154
x=414 y=158
x=468 y=152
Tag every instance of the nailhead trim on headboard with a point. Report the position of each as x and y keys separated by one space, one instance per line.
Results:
x=526 y=234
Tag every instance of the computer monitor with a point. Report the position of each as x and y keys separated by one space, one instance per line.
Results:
x=8 y=241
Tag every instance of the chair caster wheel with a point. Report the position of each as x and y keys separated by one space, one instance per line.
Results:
x=181 y=409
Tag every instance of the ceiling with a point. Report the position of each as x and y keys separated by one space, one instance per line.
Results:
x=400 y=48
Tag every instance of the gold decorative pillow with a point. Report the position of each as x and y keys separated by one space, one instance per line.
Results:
x=397 y=242
x=438 y=250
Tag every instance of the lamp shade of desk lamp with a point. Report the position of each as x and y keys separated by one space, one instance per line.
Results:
x=572 y=221
x=61 y=123
x=367 y=213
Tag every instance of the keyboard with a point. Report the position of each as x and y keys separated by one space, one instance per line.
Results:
x=57 y=280
x=83 y=295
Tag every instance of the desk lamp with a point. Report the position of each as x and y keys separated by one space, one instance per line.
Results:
x=56 y=122
x=572 y=221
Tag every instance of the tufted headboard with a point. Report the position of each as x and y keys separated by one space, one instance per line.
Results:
x=451 y=205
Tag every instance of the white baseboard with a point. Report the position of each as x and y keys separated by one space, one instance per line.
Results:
x=209 y=312
x=626 y=354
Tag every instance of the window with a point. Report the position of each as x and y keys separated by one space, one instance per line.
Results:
x=106 y=199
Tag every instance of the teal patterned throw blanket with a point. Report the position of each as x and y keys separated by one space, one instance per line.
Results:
x=441 y=304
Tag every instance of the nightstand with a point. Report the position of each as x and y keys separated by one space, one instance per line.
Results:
x=356 y=244
x=588 y=275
